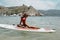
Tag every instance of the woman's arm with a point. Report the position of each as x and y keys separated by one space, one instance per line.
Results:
x=20 y=21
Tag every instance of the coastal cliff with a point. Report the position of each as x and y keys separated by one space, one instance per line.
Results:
x=19 y=9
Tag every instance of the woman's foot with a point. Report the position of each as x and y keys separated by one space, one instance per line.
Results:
x=18 y=25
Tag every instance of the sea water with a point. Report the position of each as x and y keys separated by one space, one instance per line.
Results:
x=38 y=21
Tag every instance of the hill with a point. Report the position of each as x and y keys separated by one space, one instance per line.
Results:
x=50 y=12
x=19 y=9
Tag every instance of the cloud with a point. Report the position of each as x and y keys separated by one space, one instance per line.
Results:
x=38 y=4
x=58 y=6
x=44 y=5
x=0 y=3
x=10 y=2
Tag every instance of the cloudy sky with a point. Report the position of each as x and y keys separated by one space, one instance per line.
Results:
x=38 y=4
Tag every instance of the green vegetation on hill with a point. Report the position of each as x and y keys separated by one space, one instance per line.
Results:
x=17 y=10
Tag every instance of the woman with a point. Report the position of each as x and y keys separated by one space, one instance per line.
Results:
x=23 y=21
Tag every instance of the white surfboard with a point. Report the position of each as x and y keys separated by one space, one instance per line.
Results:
x=14 y=27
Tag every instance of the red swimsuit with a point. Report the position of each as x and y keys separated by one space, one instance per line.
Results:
x=23 y=20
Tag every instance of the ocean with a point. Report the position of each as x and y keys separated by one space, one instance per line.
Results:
x=38 y=21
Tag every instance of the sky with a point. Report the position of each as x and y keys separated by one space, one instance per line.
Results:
x=37 y=4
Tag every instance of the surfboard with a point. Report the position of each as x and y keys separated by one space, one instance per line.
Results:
x=33 y=29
